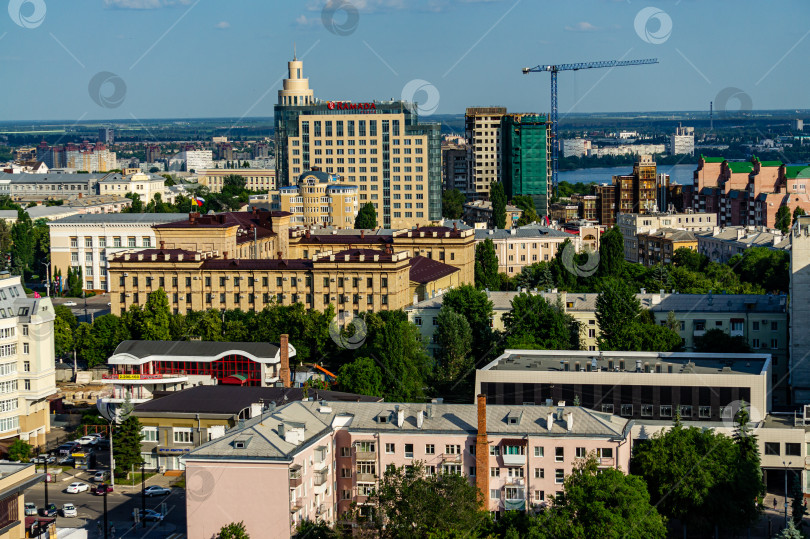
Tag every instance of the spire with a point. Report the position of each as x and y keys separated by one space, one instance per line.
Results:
x=295 y=57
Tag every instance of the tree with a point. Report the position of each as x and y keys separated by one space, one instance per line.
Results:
x=361 y=376
x=452 y=204
x=315 y=530
x=234 y=530
x=717 y=340
x=498 y=198
x=534 y=324
x=486 y=266
x=616 y=308
x=601 y=503
x=127 y=442
x=155 y=318
x=797 y=213
x=526 y=204
x=797 y=507
x=454 y=340
x=137 y=204
x=611 y=253
x=62 y=337
x=790 y=532
x=689 y=259
x=474 y=305
x=19 y=450
x=23 y=243
x=398 y=349
x=366 y=217
x=411 y=504
x=783 y=219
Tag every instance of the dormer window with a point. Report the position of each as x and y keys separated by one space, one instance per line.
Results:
x=382 y=418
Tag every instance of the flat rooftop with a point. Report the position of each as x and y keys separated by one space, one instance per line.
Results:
x=681 y=362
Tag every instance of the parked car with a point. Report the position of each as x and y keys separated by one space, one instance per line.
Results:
x=43 y=458
x=67 y=448
x=155 y=490
x=49 y=510
x=102 y=443
x=69 y=511
x=69 y=304
x=30 y=509
x=100 y=477
x=75 y=488
x=88 y=440
x=152 y=516
x=102 y=488
x=67 y=461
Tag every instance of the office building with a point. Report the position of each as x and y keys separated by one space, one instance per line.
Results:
x=318 y=198
x=525 y=160
x=633 y=224
x=317 y=460
x=683 y=141
x=27 y=368
x=381 y=147
x=195 y=159
x=106 y=136
x=256 y=179
x=633 y=385
x=181 y=421
x=482 y=129
x=146 y=186
x=88 y=241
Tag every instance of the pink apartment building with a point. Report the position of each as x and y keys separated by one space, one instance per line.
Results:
x=312 y=460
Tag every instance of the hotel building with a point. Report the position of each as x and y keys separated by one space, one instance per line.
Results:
x=381 y=147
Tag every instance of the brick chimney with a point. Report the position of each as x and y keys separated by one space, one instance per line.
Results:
x=284 y=351
x=482 y=455
x=362 y=234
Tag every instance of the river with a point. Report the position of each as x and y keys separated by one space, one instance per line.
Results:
x=681 y=174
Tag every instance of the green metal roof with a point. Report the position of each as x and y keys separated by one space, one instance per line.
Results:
x=741 y=167
x=712 y=159
x=797 y=171
x=770 y=163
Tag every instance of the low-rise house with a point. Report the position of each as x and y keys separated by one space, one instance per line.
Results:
x=720 y=244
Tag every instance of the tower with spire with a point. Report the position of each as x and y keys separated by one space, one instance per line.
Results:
x=295 y=89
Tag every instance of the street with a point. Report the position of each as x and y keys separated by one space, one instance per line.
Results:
x=96 y=306
x=119 y=507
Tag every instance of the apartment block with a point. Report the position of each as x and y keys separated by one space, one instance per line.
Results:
x=722 y=243
x=256 y=179
x=380 y=146
x=523 y=246
x=480 y=211
x=800 y=310
x=636 y=193
x=482 y=129
x=658 y=247
x=633 y=224
x=606 y=204
x=525 y=158
x=146 y=186
x=454 y=166
x=683 y=141
x=316 y=460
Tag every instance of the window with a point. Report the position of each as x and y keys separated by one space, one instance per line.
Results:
x=559 y=476
x=25 y=348
x=627 y=410
x=494 y=494
x=150 y=434
x=539 y=473
x=515 y=471
x=183 y=436
x=705 y=412
x=494 y=450
x=756 y=326
x=754 y=343
x=581 y=453
x=538 y=451
x=345 y=472
x=390 y=449
x=772 y=448
x=559 y=454
x=452 y=449
x=408 y=451
x=131 y=242
x=666 y=410
x=430 y=449
x=27 y=385
x=417 y=320
x=384 y=282
x=27 y=366
x=604 y=452
x=774 y=326
x=607 y=408
x=793 y=449
x=494 y=472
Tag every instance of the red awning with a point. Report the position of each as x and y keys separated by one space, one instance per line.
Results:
x=234 y=379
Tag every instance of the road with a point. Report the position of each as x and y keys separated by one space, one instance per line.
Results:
x=96 y=306
x=119 y=509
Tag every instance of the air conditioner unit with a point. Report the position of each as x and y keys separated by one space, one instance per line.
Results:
x=284 y=279
x=126 y=274
x=332 y=280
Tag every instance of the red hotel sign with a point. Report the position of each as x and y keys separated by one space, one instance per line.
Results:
x=132 y=376
x=342 y=105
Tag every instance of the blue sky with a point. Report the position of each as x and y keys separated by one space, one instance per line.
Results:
x=211 y=58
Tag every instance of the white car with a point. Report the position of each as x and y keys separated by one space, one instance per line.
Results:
x=69 y=304
x=75 y=488
x=88 y=440
x=69 y=511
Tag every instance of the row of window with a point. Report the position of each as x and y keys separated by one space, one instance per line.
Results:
x=8 y=405
x=8 y=349
x=9 y=423
x=8 y=368
x=791 y=449
x=146 y=241
x=342 y=282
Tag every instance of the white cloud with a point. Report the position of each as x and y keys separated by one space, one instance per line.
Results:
x=144 y=4
x=583 y=26
x=223 y=24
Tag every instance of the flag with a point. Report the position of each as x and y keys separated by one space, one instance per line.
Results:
x=36 y=295
x=197 y=201
x=548 y=223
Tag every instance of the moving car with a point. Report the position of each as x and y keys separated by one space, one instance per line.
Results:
x=69 y=304
x=100 y=477
x=152 y=516
x=30 y=509
x=69 y=511
x=102 y=488
x=88 y=440
x=75 y=488
x=67 y=448
x=155 y=490
x=49 y=510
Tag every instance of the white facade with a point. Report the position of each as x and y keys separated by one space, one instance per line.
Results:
x=683 y=141
x=146 y=186
x=197 y=159
x=633 y=224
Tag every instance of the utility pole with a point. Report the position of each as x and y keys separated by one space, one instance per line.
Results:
x=786 y=491
x=106 y=524
x=112 y=460
x=47 y=278
x=143 y=493
x=46 y=483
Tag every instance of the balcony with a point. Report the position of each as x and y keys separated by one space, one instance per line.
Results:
x=451 y=457
x=321 y=479
x=296 y=505
x=366 y=477
x=295 y=476
x=607 y=461
x=321 y=509
x=364 y=455
x=514 y=460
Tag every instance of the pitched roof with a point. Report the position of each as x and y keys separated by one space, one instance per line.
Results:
x=797 y=171
x=195 y=350
x=424 y=270
x=739 y=167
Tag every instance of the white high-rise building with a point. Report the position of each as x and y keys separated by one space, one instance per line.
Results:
x=197 y=159
x=683 y=141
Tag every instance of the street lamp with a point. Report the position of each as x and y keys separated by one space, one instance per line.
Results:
x=786 y=490
x=47 y=278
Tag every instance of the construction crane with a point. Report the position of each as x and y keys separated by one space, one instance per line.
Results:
x=554 y=69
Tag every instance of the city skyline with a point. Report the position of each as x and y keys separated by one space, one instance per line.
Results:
x=152 y=59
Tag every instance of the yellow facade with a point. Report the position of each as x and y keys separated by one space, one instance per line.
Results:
x=318 y=199
x=256 y=179
x=15 y=479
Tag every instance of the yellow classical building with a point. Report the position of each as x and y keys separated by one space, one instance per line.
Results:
x=318 y=198
x=256 y=179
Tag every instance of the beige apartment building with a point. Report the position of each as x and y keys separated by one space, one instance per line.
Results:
x=519 y=247
x=379 y=146
x=146 y=186
x=633 y=224
x=89 y=240
x=256 y=179
x=482 y=128
x=318 y=199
